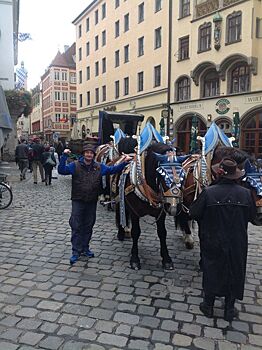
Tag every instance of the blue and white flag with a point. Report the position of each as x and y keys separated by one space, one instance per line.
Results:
x=24 y=36
x=21 y=76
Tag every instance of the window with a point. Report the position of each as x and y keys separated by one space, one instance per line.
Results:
x=57 y=96
x=126 y=53
x=96 y=16
x=57 y=117
x=80 y=53
x=157 y=75
x=117 y=28
x=103 y=38
x=158 y=5
x=183 y=89
x=117 y=3
x=96 y=68
x=96 y=42
x=204 y=37
x=117 y=89
x=126 y=86
x=240 y=79
x=141 y=46
x=80 y=100
x=64 y=76
x=64 y=96
x=73 y=78
x=140 y=81
x=79 y=31
x=211 y=84
x=57 y=75
x=73 y=98
x=88 y=73
x=234 y=23
x=88 y=48
x=87 y=24
x=104 y=11
x=117 y=58
x=183 y=48
x=97 y=95
x=126 y=22
x=141 y=12
x=103 y=93
x=80 y=77
x=88 y=98
x=158 y=37
x=104 y=65
x=184 y=8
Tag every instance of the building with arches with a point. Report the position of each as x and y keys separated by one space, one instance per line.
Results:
x=217 y=69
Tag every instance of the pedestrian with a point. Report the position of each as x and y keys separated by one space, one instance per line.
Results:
x=59 y=149
x=49 y=162
x=86 y=185
x=54 y=173
x=37 y=151
x=21 y=156
x=223 y=211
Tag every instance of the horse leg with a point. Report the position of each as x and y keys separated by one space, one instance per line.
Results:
x=135 y=233
x=121 y=231
x=161 y=231
x=187 y=234
x=127 y=228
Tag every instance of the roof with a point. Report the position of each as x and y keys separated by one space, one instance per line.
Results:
x=83 y=12
x=65 y=59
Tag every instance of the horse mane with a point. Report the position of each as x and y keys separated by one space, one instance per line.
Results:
x=151 y=163
x=127 y=145
x=236 y=154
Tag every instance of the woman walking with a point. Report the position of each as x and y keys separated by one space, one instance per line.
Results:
x=48 y=161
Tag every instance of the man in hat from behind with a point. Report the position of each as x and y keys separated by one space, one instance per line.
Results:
x=223 y=211
x=86 y=182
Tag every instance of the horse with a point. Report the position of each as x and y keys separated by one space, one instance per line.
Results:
x=144 y=192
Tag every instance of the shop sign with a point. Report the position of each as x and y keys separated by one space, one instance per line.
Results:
x=223 y=106
x=190 y=106
x=253 y=99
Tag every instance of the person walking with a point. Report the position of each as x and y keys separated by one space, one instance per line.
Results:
x=86 y=185
x=59 y=149
x=37 y=151
x=54 y=172
x=21 y=156
x=49 y=162
x=223 y=211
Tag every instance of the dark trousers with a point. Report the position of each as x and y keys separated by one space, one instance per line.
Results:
x=48 y=173
x=23 y=166
x=82 y=220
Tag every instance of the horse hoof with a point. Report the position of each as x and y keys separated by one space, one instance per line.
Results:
x=169 y=266
x=120 y=237
x=189 y=245
x=135 y=265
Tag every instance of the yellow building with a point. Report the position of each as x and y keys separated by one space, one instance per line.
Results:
x=36 y=117
x=217 y=68
x=121 y=60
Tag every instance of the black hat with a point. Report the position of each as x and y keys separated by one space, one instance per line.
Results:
x=88 y=147
x=228 y=169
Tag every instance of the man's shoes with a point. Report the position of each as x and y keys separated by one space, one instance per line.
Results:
x=230 y=314
x=206 y=309
x=43 y=180
x=21 y=177
x=35 y=183
x=74 y=259
x=88 y=253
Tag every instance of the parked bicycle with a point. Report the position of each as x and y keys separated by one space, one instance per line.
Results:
x=6 y=194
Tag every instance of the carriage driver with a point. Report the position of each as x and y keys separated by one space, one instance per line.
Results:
x=86 y=182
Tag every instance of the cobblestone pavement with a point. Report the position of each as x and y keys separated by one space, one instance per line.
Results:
x=101 y=303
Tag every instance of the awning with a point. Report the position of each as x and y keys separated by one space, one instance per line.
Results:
x=5 y=119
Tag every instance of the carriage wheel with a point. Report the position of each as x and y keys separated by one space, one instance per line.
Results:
x=6 y=196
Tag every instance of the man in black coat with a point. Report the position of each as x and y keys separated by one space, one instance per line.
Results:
x=223 y=211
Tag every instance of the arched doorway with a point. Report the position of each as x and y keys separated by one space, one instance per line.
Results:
x=251 y=133
x=184 y=132
x=225 y=125
x=152 y=121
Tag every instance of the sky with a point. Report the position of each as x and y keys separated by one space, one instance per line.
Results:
x=49 y=23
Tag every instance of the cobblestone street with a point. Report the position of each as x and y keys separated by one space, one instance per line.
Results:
x=101 y=303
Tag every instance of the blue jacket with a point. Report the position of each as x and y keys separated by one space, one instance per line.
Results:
x=69 y=169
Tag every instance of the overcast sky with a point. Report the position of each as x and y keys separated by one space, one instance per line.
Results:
x=50 y=24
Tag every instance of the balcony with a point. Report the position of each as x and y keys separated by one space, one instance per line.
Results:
x=58 y=126
x=204 y=7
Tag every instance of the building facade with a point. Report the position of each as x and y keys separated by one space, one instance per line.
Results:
x=59 y=96
x=121 y=60
x=36 y=117
x=9 y=20
x=217 y=69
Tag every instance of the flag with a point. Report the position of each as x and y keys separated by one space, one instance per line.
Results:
x=24 y=36
x=21 y=76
